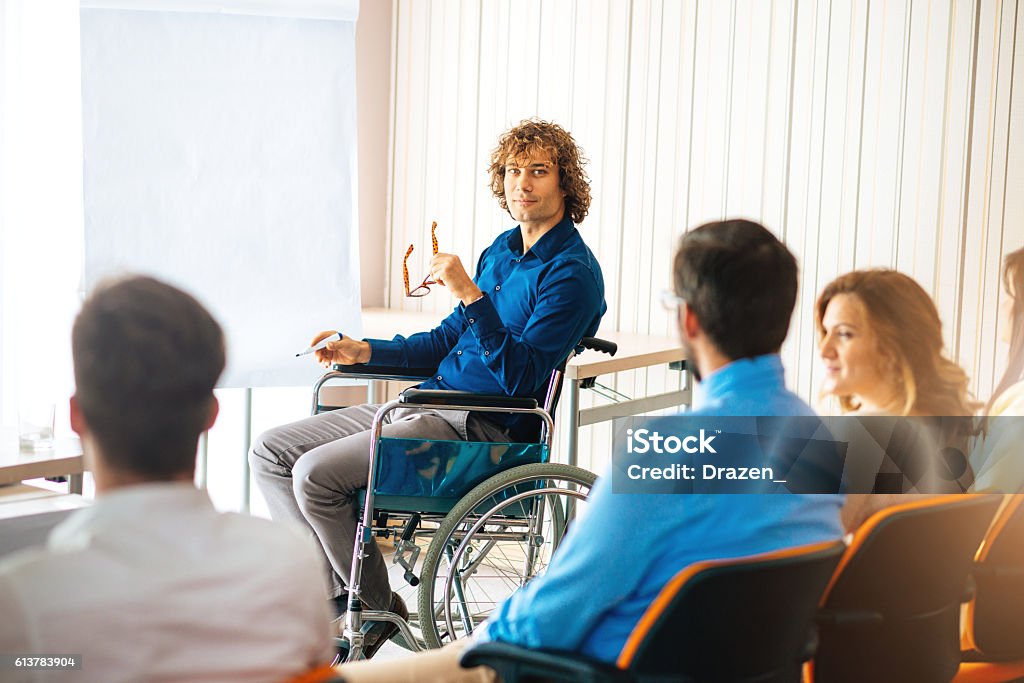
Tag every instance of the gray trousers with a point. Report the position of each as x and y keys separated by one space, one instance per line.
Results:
x=310 y=470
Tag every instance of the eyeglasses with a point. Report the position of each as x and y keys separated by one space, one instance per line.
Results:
x=670 y=301
x=424 y=288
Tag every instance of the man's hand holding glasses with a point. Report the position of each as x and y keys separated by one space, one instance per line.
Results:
x=445 y=270
x=449 y=272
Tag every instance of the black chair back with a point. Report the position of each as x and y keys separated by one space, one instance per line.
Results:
x=745 y=620
x=892 y=611
x=996 y=616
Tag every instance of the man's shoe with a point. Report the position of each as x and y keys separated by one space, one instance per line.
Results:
x=382 y=631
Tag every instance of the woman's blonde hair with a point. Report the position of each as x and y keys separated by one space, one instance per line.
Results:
x=906 y=324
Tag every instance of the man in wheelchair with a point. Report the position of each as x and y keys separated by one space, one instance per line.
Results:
x=537 y=291
x=735 y=289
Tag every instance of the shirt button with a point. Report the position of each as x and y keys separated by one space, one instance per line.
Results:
x=487 y=353
x=472 y=320
x=458 y=353
x=497 y=288
x=439 y=378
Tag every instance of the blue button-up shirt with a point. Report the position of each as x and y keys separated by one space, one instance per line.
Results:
x=536 y=306
x=627 y=547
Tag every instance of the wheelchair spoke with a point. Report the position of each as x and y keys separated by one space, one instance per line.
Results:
x=480 y=556
x=503 y=576
x=468 y=578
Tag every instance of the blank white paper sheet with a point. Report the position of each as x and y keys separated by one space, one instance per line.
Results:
x=220 y=154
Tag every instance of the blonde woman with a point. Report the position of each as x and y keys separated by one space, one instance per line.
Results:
x=880 y=341
x=999 y=460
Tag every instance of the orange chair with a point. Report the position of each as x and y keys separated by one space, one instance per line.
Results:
x=321 y=674
x=739 y=620
x=994 y=630
x=993 y=633
x=892 y=610
x=990 y=672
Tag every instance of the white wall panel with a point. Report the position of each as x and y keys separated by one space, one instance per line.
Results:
x=800 y=227
x=864 y=133
x=1013 y=205
x=986 y=295
x=957 y=115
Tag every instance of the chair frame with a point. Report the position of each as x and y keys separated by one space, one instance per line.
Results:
x=364 y=531
x=990 y=576
x=860 y=625
x=441 y=400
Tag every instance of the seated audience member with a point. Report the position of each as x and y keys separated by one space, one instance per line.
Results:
x=736 y=286
x=537 y=291
x=151 y=582
x=998 y=459
x=880 y=339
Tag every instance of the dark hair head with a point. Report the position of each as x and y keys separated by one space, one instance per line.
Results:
x=906 y=324
x=147 y=357
x=535 y=135
x=740 y=282
x=1013 y=283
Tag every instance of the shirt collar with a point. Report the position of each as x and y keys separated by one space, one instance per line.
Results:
x=111 y=511
x=743 y=375
x=548 y=245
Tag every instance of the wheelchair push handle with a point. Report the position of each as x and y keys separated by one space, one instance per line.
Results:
x=602 y=345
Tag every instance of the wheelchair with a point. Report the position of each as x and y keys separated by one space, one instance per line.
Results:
x=490 y=515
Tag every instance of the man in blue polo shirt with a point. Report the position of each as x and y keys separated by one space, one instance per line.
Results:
x=537 y=291
x=735 y=288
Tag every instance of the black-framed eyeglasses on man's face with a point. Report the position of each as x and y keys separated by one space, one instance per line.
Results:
x=424 y=287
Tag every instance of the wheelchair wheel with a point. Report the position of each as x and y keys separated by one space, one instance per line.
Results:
x=496 y=538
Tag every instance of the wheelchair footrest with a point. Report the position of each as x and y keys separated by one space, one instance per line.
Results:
x=434 y=505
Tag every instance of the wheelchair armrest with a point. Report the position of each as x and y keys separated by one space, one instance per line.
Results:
x=513 y=663
x=438 y=397
x=385 y=372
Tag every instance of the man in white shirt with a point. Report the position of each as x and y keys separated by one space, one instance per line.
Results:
x=152 y=583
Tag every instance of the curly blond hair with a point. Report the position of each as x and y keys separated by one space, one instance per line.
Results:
x=536 y=135
x=909 y=333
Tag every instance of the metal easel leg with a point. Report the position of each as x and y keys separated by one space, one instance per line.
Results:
x=247 y=440
x=203 y=466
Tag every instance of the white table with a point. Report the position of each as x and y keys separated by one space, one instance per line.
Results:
x=635 y=351
x=29 y=513
x=64 y=459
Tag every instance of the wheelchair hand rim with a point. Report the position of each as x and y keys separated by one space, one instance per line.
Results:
x=449 y=624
